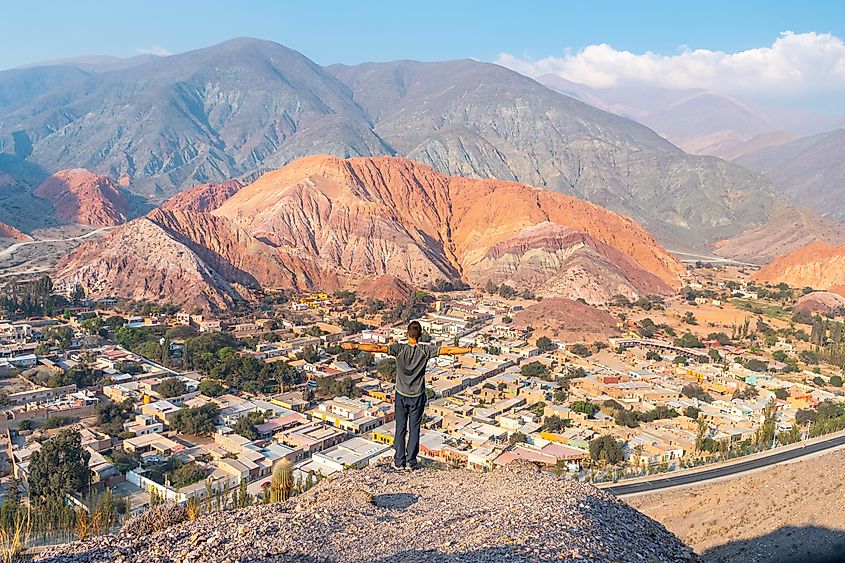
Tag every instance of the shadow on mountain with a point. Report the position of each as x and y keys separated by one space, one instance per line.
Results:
x=138 y=205
x=18 y=207
x=789 y=544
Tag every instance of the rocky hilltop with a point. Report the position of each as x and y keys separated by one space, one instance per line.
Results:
x=823 y=302
x=80 y=196
x=379 y=515
x=817 y=265
x=8 y=231
x=205 y=197
x=329 y=223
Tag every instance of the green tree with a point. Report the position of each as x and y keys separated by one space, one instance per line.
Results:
x=555 y=424
x=171 y=387
x=766 y=433
x=534 y=369
x=186 y=474
x=652 y=355
x=626 y=418
x=689 y=318
x=61 y=335
x=387 y=369
x=246 y=425
x=701 y=434
x=790 y=436
x=59 y=468
x=756 y=365
x=746 y=393
x=606 y=449
x=210 y=388
x=836 y=380
x=584 y=407
x=688 y=340
x=196 y=420
x=805 y=416
x=110 y=416
x=691 y=412
x=695 y=391
x=545 y=344
x=581 y=350
x=517 y=438
x=52 y=422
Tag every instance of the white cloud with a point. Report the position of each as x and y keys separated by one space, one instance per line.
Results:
x=157 y=50
x=796 y=65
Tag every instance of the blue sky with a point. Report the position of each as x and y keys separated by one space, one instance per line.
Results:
x=353 y=32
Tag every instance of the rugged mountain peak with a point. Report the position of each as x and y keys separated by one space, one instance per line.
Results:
x=330 y=223
x=205 y=197
x=80 y=196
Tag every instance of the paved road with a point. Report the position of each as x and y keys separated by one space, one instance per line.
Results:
x=724 y=471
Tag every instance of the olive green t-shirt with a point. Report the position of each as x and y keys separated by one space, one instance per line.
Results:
x=411 y=360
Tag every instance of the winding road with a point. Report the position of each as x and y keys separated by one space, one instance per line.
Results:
x=623 y=489
x=12 y=249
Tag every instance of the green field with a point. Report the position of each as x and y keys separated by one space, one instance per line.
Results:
x=767 y=309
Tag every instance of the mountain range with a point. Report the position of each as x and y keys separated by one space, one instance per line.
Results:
x=702 y=121
x=329 y=223
x=817 y=265
x=235 y=110
x=810 y=170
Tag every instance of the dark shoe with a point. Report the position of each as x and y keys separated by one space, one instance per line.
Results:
x=396 y=466
x=413 y=466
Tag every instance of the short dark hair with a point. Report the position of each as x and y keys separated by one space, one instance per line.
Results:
x=414 y=330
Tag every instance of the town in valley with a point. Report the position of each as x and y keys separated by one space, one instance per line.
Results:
x=171 y=405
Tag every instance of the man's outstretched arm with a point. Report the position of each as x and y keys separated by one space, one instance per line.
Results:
x=457 y=350
x=364 y=347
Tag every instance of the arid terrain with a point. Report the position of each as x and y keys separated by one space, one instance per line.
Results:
x=791 y=512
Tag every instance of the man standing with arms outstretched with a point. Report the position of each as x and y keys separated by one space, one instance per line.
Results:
x=410 y=399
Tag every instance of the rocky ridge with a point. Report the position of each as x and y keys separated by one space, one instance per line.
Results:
x=381 y=515
x=817 y=265
x=788 y=230
x=329 y=223
x=80 y=196
x=205 y=197
x=8 y=231
x=823 y=302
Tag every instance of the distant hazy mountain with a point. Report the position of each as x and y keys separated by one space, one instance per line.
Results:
x=96 y=63
x=18 y=86
x=245 y=106
x=701 y=121
x=810 y=170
